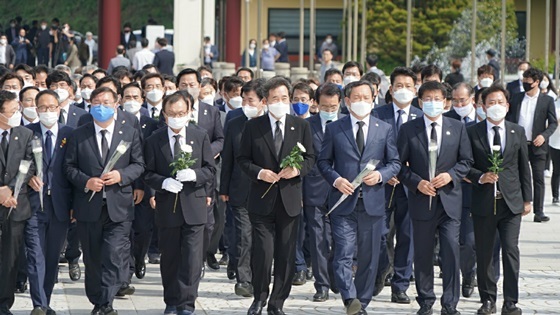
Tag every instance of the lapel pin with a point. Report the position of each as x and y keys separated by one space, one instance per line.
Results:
x=123 y=122
x=192 y=142
x=15 y=138
x=376 y=125
x=73 y=114
x=205 y=112
x=120 y=132
x=412 y=115
x=512 y=131
x=144 y=126
x=292 y=128
x=448 y=133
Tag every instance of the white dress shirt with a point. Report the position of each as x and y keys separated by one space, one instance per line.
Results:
x=142 y=58
x=355 y=127
x=490 y=133
x=554 y=140
x=157 y=107
x=439 y=127
x=171 y=135
x=109 y=135
x=54 y=130
x=527 y=114
x=3 y=54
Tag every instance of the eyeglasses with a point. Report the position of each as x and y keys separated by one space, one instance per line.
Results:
x=176 y=115
x=460 y=101
x=44 y=108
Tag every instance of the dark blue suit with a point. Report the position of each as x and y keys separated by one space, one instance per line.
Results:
x=358 y=220
x=45 y=231
x=397 y=207
x=282 y=48
x=164 y=60
x=455 y=158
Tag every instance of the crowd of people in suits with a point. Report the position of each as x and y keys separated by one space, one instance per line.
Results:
x=383 y=184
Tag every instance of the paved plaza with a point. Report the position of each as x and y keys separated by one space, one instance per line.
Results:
x=539 y=286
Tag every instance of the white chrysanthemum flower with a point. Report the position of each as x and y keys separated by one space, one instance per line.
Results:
x=37 y=149
x=301 y=147
x=121 y=148
x=24 y=168
x=496 y=148
x=186 y=148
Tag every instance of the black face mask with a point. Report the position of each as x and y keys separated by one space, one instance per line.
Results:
x=527 y=86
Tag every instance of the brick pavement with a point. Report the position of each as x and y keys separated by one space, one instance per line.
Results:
x=539 y=286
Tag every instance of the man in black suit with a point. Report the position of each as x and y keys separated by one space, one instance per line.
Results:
x=87 y=85
x=15 y=146
x=402 y=90
x=282 y=47
x=535 y=112
x=208 y=118
x=435 y=203
x=46 y=229
x=104 y=222
x=516 y=86
x=164 y=59
x=234 y=186
x=492 y=62
x=61 y=84
x=265 y=142
x=180 y=224
x=127 y=35
x=499 y=200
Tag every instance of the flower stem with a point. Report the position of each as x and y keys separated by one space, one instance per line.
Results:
x=391 y=199
x=175 y=206
x=269 y=187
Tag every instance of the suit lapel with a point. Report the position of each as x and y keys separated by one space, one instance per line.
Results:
x=446 y=136
x=317 y=128
x=202 y=114
x=289 y=138
x=481 y=130
x=519 y=107
x=15 y=143
x=347 y=129
x=115 y=140
x=421 y=133
x=266 y=131
x=508 y=134
x=58 y=143
x=372 y=132
x=166 y=146
x=93 y=143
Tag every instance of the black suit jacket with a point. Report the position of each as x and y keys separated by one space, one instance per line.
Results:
x=19 y=148
x=455 y=158
x=209 y=119
x=61 y=189
x=74 y=116
x=544 y=119
x=164 y=60
x=191 y=209
x=234 y=182
x=83 y=161
x=513 y=88
x=515 y=179
x=257 y=153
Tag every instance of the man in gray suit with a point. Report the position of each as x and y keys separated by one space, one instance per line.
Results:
x=15 y=146
x=119 y=60
x=7 y=54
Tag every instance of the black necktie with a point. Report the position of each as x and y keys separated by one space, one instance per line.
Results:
x=497 y=138
x=400 y=112
x=328 y=122
x=360 y=137
x=61 y=118
x=104 y=146
x=278 y=138
x=154 y=112
x=177 y=147
x=433 y=135
x=48 y=146
x=4 y=143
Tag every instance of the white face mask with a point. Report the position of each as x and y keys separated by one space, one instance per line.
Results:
x=177 y=122
x=169 y=92
x=463 y=111
x=48 y=119
x=250 y=111
x=3 y=41
x=62 y=94
x=486 y=82
x=15 y=120
x=266 y=46
x=433 y=109
x=154 y=95
x=42 y=89
x=252 y=46
x=403 y=96
x=279 y=110
x=349 y=79
x=496 y=112
x=30 y=112
x=361 y=109
x=132 y=106
x=86 y=93
x=480 y=112
x=208 y=99
x=194 y=92
x=236 y=102
x=543 y=85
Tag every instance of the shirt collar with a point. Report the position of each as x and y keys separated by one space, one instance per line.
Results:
x=396 y=109
x=109 y=128
x=53 y=129
x=354 y=120
x=158 y=105
x=273 y=120
x=428 y=122
x=182 y=132
x=195 y=106
x=532 y=97
x=489 y=125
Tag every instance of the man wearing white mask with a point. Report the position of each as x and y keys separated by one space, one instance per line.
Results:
x=352 y=72
x=436 y=155
x=87 y=85
x=265 y=142
x=26 y=73
x=29 y=109
x=485 y=77
x=403 y=90
x=153 y=85
x=232 y=94
x=61 y=84
x=516 y=86
x=11 y=82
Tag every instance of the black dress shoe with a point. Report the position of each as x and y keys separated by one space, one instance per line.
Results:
x=224 y=261
x=510 y=308
x=21 y=287
x=256 y=308
x=140 y=269
x=309 y=274
x=154 y=259
x=380 y=281
x=5 y=311
x=272 y=310
x=488 y=307
x=108 y=310
x=388 y=280
x=321 y=296
x=425 y=310
x=540 y=218
x=362 y=312
x=74 y=271
x=353 y=306
x=449 y=310
x=299 y=278
x=231 y=274
x=126 y=290
x=400 y=298
x=467 y=287
x=50 y=311
x=38 y=311
x=212 y=262
x=244 y=289
x=555 y=200
x=96 y=310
